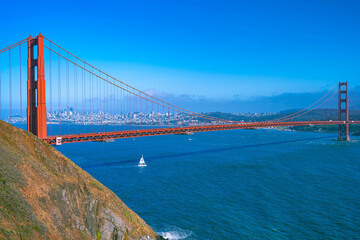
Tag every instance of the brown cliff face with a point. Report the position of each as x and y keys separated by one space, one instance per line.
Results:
x=44 y=195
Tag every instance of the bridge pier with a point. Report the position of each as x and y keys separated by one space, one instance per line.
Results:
x=343 y=111
x=36 y=108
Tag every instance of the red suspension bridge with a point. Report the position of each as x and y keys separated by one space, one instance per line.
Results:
x=69 y=100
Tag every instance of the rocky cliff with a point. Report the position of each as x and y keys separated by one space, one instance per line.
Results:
x=44 y=195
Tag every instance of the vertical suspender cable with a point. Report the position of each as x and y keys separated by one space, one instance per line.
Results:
x=146 y=112
x=108 y=102
x=97 y=96
x=85 y=110
x=135 y=109
x=163 y=116
x=67 y=98
x=10 y=92
x=50 y=78
x=20 y=89
x=99 y=100
x=152 y=115
x=119 y=118
x=93 y=99
x=76 y=99
x=128 y=107
x=0 y=93
x=139 y=110
x=101 y=103
x=110 y=107
x=59 y=92
x=105 y=104
x=91 y=102
x=122 y=108
x=113 y=108
x=129 y=110
x=82 y=101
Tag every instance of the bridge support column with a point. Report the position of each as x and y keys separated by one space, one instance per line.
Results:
x=36 y=108
x=344 y=111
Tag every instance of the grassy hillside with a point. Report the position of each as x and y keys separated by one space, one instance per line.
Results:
x=44 y=195
x=353 y=129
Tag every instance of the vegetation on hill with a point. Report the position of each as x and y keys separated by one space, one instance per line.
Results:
x=44 y=195
x=353 y=129
x=318 y=114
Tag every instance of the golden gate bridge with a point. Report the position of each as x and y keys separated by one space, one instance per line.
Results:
x=100 y=106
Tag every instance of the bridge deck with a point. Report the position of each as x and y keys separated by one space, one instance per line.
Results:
x=84 y=137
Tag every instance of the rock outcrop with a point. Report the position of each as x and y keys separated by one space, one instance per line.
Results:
x=44 y=195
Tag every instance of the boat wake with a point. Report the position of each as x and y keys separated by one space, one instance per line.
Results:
x=175 y=233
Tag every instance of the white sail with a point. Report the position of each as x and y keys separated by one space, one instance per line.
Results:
x=142 y=162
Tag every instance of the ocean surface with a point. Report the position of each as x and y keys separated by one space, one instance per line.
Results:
x=238 y=184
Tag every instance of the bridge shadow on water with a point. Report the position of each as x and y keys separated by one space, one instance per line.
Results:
x=126 y=162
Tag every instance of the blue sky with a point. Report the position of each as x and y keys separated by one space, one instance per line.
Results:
x=215 y=50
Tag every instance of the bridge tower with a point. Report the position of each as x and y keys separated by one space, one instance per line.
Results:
x=344 y=111
x=36 y=106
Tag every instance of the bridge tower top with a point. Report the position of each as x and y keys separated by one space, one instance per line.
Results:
x=36 y=106
x=344 y=111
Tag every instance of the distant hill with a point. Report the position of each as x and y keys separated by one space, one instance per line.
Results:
x=44 y=195
x=318 y=114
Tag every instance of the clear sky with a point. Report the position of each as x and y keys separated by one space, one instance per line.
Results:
x=214 y=50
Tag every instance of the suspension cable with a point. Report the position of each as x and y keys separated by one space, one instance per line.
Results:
x=13 y=45
x=313 y=108
x=304 y=108
x=166 y=103
x=354 y=93
x=203 y=116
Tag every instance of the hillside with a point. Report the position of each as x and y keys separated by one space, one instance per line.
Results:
x=44 y=195
x=322 y=114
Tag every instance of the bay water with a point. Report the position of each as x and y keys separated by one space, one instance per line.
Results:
x=235 y=184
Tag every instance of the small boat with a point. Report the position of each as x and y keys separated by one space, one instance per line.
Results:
x=142 y=162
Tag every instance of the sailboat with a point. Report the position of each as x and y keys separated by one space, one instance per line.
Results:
x=142 y=162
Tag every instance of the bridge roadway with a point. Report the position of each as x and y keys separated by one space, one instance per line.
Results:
x=85 y=137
